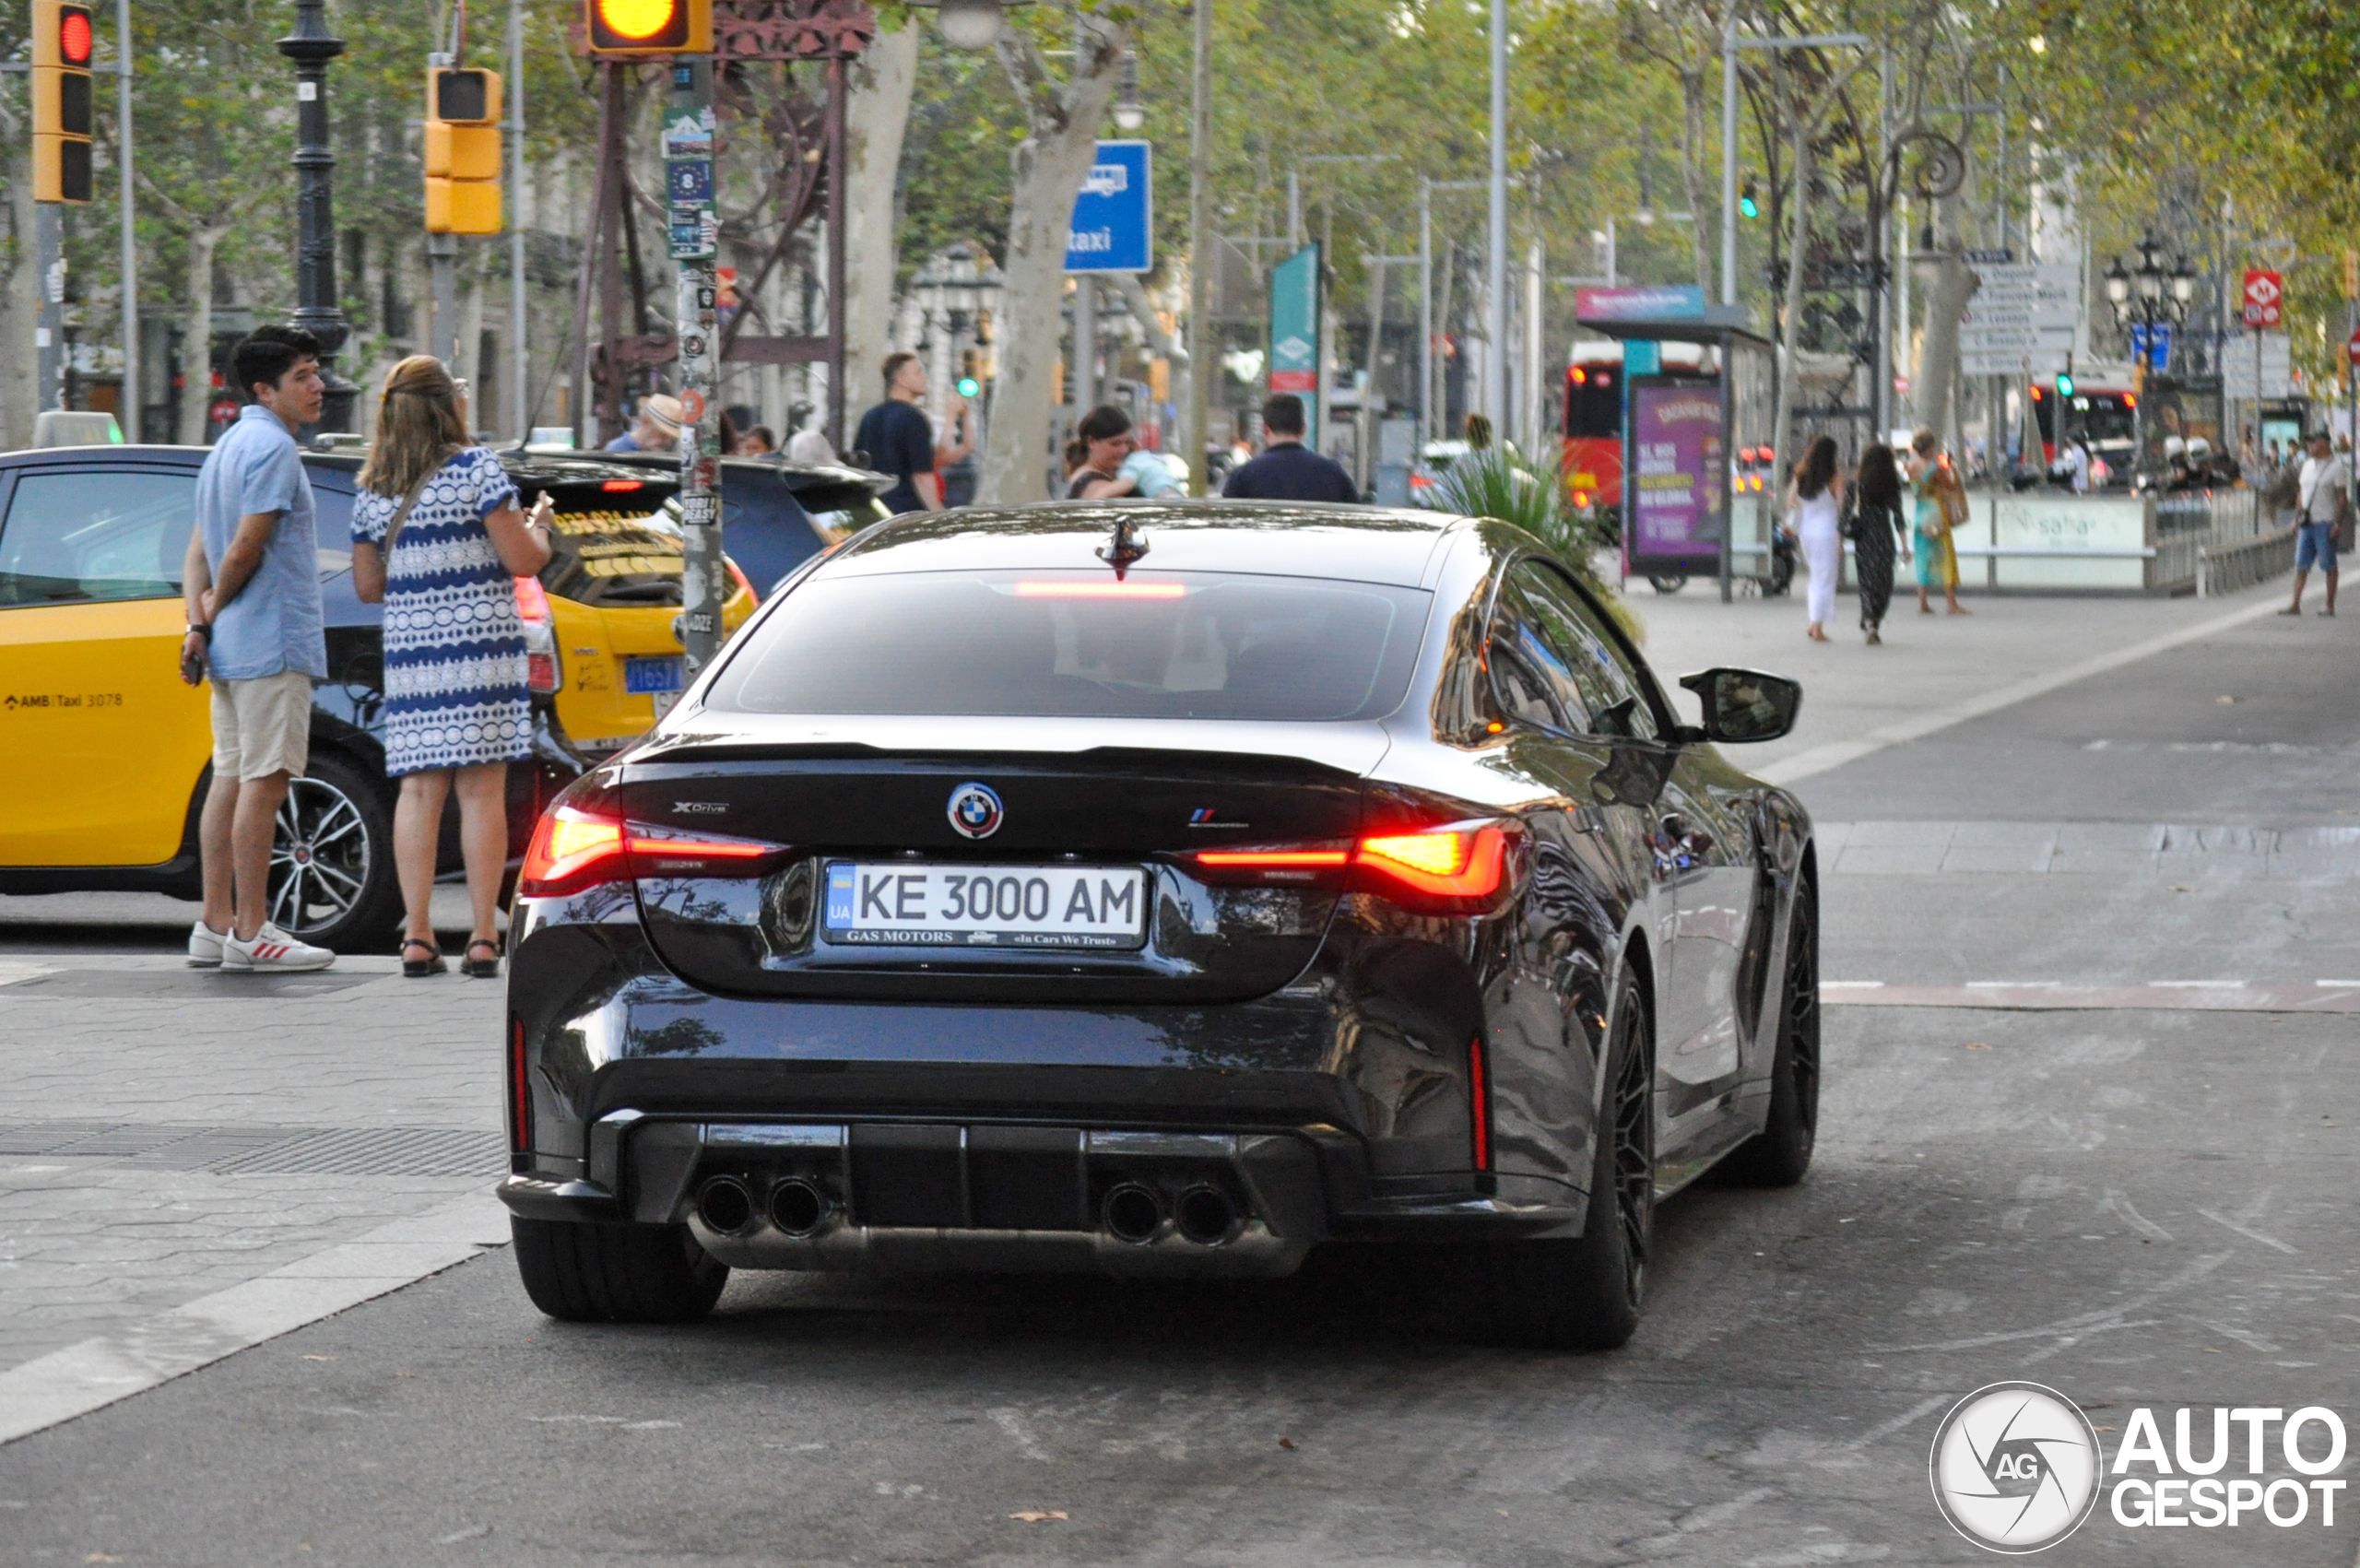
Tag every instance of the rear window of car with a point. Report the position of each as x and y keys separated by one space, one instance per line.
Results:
x=611 y=550
x=1178 y=645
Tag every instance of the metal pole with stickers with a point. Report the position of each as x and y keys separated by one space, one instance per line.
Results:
x=694 y=236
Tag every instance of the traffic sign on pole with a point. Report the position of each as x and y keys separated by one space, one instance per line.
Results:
x=2352 y=347
x=1114 y=212
x=2265 y=293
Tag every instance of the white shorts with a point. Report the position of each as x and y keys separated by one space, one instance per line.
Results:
x=262 y=726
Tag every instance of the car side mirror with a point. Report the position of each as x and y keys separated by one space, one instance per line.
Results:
x=1746 y=704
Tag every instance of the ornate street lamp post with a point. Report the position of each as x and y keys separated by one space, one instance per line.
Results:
x=315 y=308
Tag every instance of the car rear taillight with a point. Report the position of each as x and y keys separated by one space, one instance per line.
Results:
x=1447 y=869
x=1465 y=860
x=572 y=850
x=738 y=576
x=542 y=671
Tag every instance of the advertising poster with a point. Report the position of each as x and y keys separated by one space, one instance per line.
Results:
x=1294 y=323
x=1675 y=461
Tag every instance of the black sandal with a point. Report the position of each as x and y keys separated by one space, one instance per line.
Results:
x=474 y=968
x=417 y=968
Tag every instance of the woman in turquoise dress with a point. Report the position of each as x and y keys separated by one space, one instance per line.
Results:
x=1937 y=560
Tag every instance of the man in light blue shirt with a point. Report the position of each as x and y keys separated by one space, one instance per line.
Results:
x=252 y=586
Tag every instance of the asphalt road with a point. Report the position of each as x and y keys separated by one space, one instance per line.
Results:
x=2142 y=1208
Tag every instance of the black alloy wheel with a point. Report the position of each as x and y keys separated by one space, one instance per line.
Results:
x=1780 y=1153
x=1586 y=1293
x=1668 y=582
x=332 y=877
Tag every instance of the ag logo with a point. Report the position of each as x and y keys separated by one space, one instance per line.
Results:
x=2015 y=1467
x=975 y=811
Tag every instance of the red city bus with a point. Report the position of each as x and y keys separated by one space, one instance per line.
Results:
x=1593 y=455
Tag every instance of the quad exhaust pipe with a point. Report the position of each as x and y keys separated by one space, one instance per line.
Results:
x=797 y=1208
x=724 y=1205
x=1204 y=1215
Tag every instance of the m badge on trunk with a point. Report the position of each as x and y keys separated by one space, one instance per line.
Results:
x=975 y=811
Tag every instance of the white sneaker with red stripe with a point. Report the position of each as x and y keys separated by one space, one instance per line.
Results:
x=272 y=950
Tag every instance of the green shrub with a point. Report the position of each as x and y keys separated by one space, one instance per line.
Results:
x=1492 y=483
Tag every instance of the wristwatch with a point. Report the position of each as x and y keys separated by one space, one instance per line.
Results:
x=202 y=629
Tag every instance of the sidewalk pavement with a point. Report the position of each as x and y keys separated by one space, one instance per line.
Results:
x=169 y=1133
x=1930 y=672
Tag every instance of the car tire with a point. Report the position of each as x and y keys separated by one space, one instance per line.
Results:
x=1780 y=1153
x=1668 y=582
x=332 y=875
x=586 y=1273
x=1587 y=1295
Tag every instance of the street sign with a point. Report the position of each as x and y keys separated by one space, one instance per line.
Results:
x=1114 y=212
x=2265 y=293
x=2023 y=317
x=1294 y=323
x=2238 y=381
x=2351 y=349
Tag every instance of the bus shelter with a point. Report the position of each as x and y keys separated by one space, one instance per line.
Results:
x=1695 y=500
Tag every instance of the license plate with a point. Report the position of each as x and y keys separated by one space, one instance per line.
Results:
x=643 y=675
x=1004 y=906
x=664 y=702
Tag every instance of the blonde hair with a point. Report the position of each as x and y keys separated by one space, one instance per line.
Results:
x=1924 y=441
x=418 y=427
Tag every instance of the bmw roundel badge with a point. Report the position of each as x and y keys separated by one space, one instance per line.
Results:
x=975 y=811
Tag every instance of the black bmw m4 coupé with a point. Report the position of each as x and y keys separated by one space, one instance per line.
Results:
x=1163 y=890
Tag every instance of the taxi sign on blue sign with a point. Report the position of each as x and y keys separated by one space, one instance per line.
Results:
x=1114 y=212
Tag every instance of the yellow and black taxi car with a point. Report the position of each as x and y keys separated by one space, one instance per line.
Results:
x=105 y=754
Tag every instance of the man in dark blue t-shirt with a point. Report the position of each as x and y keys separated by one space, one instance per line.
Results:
x=897 y=438
x=1288 y=470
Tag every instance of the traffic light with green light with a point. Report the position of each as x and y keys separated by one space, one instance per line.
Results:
x=2064 y=386
x=1746 y=205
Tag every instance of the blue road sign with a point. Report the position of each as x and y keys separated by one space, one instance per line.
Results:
x=1113 y=213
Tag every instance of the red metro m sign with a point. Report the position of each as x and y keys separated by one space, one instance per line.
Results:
x=2265 y=293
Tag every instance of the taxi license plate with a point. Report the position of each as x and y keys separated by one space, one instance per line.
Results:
x=1004 y=906
x=643 y=675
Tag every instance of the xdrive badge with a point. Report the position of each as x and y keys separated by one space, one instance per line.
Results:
x=975 y=811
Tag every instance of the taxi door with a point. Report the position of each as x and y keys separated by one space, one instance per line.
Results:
x=104 y=742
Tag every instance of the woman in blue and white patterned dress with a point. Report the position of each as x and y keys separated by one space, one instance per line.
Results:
x=457 y=709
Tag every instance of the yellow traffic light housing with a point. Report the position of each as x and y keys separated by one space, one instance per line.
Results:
x=463 y=156
x=649 y=26
x=64 y=42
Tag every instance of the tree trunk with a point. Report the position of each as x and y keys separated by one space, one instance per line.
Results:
x=876 y=113
x=196 y=339
x=1692 y=132
x=1782 y=435
x=1954 y=285
x=19 y=308
x=1051 y=163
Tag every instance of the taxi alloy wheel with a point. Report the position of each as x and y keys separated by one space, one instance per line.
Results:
x=331 y=858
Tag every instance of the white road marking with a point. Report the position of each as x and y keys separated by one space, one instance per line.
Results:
x=1835 y=754
x=139 y=1356
x=2120 y=1203
x=2247 y=1232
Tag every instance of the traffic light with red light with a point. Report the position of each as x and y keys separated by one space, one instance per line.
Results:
x=649 y=26
x=64 y=42
x=462 y=151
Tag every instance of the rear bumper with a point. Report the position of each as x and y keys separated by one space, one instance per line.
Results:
x=906 y=1195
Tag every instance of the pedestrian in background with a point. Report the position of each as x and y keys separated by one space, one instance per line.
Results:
x=656 y=427
x=896 y=438
x=1816 y=503
x=1875 y=528
x=437 y=536
x=757 y=443
x=1288 y=470
x=955 y=461
x=1930 y=480
x=251 y=579
x=2324 y=503
x=1094 y=457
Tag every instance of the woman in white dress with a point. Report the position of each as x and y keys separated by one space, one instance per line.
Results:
x=1816 y=503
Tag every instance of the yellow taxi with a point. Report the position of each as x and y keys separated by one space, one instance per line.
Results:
x=602 y=621
x=107 y=753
